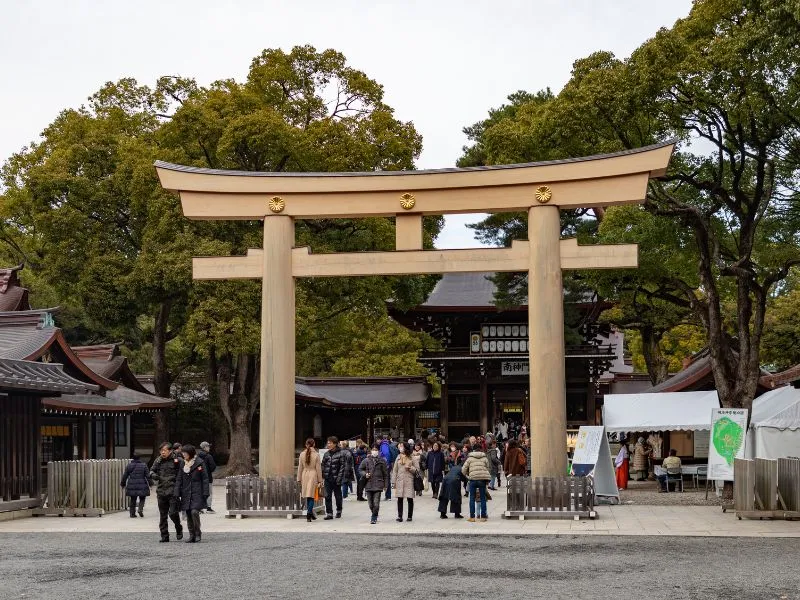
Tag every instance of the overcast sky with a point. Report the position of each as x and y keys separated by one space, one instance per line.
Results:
x=443 y=64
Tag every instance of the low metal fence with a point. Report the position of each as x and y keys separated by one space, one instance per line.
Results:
x=84 y=488
x=765 y=488
x=564 y=497
x=251 y=496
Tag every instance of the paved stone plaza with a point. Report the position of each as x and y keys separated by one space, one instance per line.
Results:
x=621 y=520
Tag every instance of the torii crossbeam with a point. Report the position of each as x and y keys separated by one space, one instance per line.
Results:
x=541 y=189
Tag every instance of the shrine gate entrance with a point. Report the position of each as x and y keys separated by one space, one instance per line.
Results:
x=541 y=189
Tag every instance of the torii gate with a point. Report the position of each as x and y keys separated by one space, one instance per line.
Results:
x=539 y=188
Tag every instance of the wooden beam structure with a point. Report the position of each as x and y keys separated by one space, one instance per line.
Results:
x=417 y=262
x=540 y=189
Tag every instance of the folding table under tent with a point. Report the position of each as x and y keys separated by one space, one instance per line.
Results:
x=774 y=430
x=662 y=411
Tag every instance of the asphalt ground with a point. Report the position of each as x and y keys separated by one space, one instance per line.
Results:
x=341 y=566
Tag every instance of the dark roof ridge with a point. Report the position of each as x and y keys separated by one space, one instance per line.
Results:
x=188 y=169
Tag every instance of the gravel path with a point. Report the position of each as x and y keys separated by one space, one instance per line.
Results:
x=122 y=566
x=646 y=493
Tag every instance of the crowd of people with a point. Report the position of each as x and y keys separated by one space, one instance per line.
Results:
x=406 y=470
x=183 y=476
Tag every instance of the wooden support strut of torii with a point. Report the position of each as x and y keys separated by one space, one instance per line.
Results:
x=541 y=189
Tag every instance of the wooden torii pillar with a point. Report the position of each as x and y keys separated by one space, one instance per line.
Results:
x=541 y=189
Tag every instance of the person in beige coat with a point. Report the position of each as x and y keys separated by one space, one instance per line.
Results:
x=309 y=475
x=406 y=467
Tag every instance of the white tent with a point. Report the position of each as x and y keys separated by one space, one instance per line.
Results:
x=775 y=424
x=664 y=411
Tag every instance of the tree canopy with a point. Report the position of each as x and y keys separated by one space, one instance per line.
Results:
x=723 y=83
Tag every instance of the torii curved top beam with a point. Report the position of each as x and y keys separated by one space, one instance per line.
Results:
x=600 y=180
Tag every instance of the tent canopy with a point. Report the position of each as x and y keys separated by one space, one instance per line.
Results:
x=779 y=409
x=665 y=411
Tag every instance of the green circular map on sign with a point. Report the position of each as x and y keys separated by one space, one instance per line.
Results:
x=727 y=439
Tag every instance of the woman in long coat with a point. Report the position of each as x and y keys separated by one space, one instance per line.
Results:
x=136 y=481
x=191 y=487
x=435 y=467
x=405 y=468
x=309 y=474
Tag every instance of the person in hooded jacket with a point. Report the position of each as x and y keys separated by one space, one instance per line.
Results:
x=375 y=473
x=476 y=469
x=136 y=481
x=164 y=472
x=191 y=487
x=451 y=492
x=435 y=462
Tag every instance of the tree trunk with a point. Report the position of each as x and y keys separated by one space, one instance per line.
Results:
x=240 y=461
x=657 y=363
x=236 y=401
x=162 y=381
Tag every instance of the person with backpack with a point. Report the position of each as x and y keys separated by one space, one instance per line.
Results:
x=375 y=474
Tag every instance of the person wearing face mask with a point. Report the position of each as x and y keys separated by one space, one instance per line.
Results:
x=405 y=468
x=375 y=473
x=435 y=464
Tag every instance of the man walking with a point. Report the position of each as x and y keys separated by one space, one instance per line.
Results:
x=375 y=473
x=164 y=471
x=334 y=464
x=205 y=454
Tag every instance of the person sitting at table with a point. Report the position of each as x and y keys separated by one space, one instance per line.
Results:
x=671 y=462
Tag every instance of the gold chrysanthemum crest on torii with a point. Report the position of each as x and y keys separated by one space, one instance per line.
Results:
x=543 y=194
x=407 y=201
x=276 y=204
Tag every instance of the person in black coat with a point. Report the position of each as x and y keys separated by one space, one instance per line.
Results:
x=451 y=492
x=136 y=481
x=164 y=471
x=435 y=464
x=191 y=487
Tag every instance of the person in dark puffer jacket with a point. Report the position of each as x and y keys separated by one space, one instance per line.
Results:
x=136 y=481
x=334 y=467
x=191 y=486
x=205 y=455
x=375 y=473
x=164 y=471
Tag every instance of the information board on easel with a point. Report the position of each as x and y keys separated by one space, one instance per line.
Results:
x=592 y=458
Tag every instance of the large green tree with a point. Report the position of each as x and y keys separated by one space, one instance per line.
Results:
x=302 y=110
x=723 y=82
